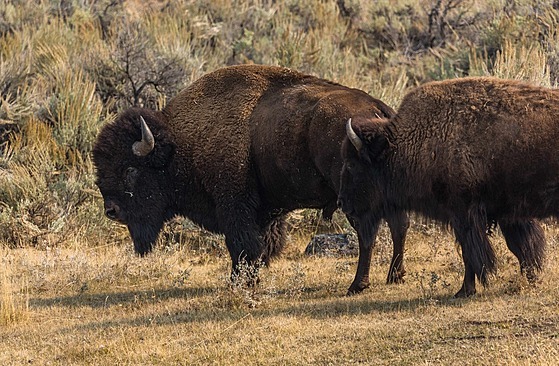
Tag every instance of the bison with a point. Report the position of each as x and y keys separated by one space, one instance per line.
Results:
x=235 y=152
x=465 y=152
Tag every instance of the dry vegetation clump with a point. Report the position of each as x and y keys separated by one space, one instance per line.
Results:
x=72 y=291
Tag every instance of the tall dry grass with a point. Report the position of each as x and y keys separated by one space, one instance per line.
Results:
x=14 y=295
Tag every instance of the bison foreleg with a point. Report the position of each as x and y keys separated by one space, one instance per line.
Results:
x=526 y=240
x=243 y=240
x=366 y=233
x=469 y=284
x=398 y=224
x=477 y=252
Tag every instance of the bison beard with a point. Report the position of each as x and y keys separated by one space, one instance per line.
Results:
x=144 y=236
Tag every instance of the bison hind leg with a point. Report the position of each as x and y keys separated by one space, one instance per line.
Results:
x=526 y=240
x=477 y=252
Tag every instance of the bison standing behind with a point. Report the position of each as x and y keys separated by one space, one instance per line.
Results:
x=466 y=152
x=235 y=152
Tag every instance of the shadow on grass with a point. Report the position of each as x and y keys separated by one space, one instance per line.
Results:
x=107 y=299
x=324 y=308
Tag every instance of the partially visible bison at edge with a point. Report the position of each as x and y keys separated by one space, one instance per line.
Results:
x=466 y=152
x=235 y=152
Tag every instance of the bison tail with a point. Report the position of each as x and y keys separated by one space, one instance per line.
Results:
x=477 y=251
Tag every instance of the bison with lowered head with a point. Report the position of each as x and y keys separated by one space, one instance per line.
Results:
x=465 y=152
x=234 y=152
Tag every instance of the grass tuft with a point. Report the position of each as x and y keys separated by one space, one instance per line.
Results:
x=14 y=295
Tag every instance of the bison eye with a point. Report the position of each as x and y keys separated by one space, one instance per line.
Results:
x=130 y=177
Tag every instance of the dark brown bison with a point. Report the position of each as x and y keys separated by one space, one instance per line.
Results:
x=466 y=152
x=235 y=152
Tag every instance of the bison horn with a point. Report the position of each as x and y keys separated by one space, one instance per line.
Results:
x=355 y=140
x=144 y=147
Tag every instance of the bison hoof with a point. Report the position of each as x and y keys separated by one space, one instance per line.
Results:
x=357 y=288
x=531 y=275
x=465 y=293
x=246 y=283
x=395 y=278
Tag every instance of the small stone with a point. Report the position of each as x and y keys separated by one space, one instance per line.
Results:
x=333 y=245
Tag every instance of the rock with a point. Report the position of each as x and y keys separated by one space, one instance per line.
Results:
x=333 y=245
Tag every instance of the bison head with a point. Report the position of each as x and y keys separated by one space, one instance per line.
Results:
x=360 y=196
x=133 y=158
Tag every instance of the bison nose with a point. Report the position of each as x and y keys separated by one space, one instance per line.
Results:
x=112 y=210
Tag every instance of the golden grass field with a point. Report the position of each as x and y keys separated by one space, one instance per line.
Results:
x=105 y=306
x=72 y=292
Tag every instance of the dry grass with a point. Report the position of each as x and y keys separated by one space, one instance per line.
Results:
x=14 y=298
x=106 y=306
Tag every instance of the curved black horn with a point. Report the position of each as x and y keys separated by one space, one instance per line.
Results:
x=144 y=147
x=355 y=140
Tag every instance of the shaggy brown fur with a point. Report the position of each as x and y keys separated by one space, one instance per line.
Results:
x=466 y=152
x=235 y=152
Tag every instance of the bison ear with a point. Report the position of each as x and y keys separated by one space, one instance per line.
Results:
x=369 y=141
x=162 y=155
x=376 y=146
